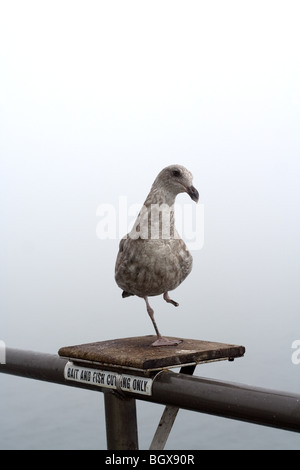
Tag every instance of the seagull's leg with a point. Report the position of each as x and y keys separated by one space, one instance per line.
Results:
x=170 y=301
x=151 y=315
x=161 y=341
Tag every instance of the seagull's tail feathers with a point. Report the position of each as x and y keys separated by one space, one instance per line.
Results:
x=126 y=294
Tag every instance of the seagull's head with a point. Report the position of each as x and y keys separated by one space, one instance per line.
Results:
x=177 y=179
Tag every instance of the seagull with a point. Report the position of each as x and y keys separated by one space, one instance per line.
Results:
x=152 y=258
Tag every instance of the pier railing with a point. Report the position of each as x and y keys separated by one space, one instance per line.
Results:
x=175 y=390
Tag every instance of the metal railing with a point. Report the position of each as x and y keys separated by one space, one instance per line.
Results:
x=176 y=390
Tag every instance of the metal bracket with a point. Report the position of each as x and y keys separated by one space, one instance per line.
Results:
x=168 y=418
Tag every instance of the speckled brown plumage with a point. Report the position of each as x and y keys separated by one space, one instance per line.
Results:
x=152 y=258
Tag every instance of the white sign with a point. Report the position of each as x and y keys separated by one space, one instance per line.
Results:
x=108 y=379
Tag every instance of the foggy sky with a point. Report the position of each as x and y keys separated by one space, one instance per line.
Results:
x=96 y=98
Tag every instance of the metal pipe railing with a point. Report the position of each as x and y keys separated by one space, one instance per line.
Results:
x=230 y=400
x=236 y=401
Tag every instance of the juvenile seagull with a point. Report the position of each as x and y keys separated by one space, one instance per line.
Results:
x=152 y=258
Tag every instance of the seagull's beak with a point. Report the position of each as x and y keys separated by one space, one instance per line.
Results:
x=193 y=193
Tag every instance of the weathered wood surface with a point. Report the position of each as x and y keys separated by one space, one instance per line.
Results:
x=137 y=353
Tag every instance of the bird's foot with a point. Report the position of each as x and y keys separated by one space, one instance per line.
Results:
x=161 y=341
x=170 y=301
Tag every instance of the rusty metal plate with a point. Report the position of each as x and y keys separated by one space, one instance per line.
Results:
x=137 y=353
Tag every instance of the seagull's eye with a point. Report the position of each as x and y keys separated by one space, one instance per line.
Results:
x=176 y=173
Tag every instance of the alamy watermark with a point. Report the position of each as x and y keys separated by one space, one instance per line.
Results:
x=2 y=352
x=154 y=222
x=296 y=354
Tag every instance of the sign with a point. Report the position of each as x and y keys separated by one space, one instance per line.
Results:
x=108 y=379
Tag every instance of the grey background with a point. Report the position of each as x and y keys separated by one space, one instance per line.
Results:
x=95 y=99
